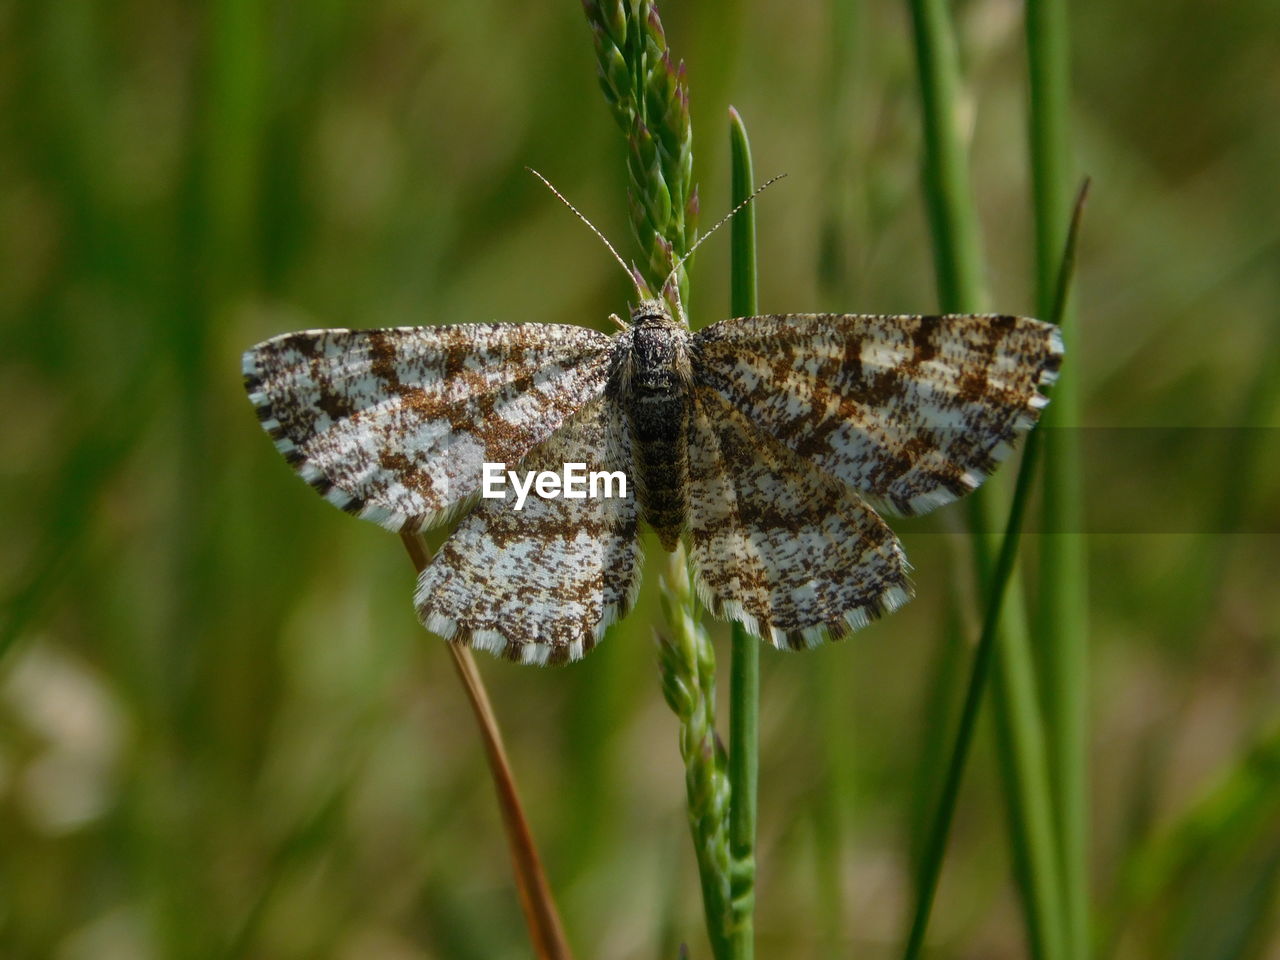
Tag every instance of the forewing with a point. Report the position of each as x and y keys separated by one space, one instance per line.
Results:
x=911 y=411
x=541 y=584
x=779 y=545
x=394 y=425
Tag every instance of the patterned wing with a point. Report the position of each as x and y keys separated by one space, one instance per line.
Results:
x=541 y=584
x=911 y=411
x=779 y=545
x=393 y=425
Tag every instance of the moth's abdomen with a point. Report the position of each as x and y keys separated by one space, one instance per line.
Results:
x=659 y=407
x=660 y=444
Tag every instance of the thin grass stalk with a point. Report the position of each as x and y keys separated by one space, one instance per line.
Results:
x=998 y=588
x=536 y=901
x=953 y=214
x=942 y=693
x=958 y=262
x=650 y=103
x=744 y=675
x=1024 y=769
x=1062 y=615
x=844 y=213
x=686 y=663
x=940 y=830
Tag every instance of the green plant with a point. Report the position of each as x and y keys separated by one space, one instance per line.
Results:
x=1043 y=836
x=651 y=105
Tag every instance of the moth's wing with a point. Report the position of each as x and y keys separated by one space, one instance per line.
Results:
x=911 y=411
x=541 y=584
x=394 y=425
x=779 y=545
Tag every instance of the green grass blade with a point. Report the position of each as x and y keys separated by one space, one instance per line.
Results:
x=1062 y=616
x=956 y=237
x=953 y=215
x=686 y=661
x=935 y=847
x=744 y=682
x=647 y=92
x=1041 y=880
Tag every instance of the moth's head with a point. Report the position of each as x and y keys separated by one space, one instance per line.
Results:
x=655 y=312
x=652 y=313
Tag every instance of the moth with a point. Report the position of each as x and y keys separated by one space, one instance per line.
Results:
x=771 y=444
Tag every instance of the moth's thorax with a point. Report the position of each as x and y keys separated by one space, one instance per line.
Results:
x=655 y=388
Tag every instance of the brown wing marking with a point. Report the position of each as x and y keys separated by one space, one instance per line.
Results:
x=541 y=585
x=910 y=411
x=778 y=545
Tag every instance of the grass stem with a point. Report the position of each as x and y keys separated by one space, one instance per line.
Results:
x=935 y=847
x=1020 y=739
x=687 y=663
x=953 y=214
x=1062 y=615
x=539 y=906
x=744 y=677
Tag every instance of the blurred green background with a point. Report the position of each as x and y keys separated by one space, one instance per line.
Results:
x=223 y=733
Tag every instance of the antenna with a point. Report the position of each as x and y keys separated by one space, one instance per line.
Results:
x=578 y=213
x=720 y=223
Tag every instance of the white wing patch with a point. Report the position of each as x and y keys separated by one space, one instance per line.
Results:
x=394 y=425
x=542 y=584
